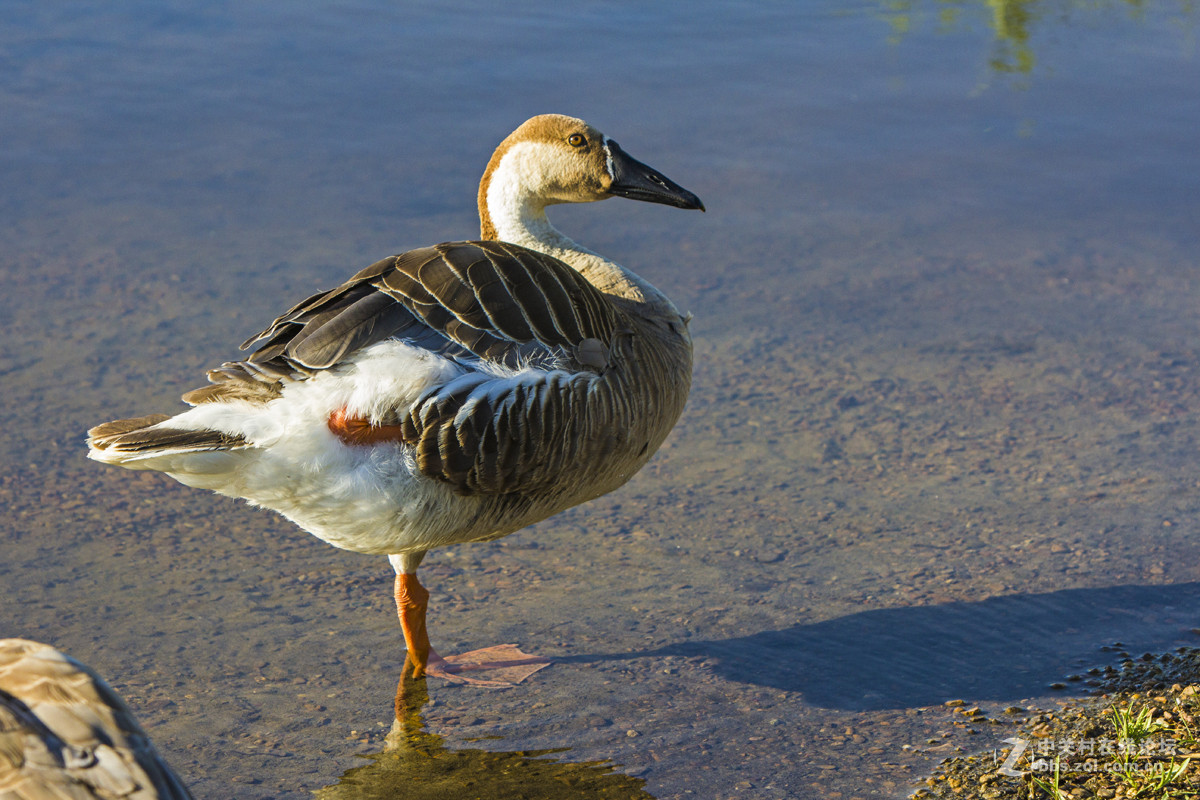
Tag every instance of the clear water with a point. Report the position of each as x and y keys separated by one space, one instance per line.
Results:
x=941 y=444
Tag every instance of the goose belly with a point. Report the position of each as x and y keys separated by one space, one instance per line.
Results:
x=370 y=499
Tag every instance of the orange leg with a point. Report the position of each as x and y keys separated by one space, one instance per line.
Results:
x=505 y=662
x=359 y=431
x=412 y=601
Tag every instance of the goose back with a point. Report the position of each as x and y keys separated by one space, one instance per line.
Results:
x=559 y=378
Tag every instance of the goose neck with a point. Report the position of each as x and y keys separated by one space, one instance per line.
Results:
x=510 y=212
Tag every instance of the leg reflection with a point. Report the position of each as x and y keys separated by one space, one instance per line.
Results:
x=408 y=730
x=417 y=765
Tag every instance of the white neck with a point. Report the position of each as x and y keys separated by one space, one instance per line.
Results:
x=518 y=215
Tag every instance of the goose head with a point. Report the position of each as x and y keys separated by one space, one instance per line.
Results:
x=553 y=159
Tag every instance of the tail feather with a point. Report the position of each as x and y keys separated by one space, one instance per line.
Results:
x=108 y=430
x=144 y=436
x=242 y=380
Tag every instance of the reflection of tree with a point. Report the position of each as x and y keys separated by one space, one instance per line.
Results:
x=1013 y=22
x=416 y=765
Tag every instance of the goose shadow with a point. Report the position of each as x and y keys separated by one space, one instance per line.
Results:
x=1002 y=649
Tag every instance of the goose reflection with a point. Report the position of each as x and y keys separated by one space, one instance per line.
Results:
x=417 y=765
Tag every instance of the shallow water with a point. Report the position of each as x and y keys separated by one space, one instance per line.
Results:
x=940 y=443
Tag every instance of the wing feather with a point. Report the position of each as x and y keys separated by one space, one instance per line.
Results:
x=491 y=302
x=66 y=735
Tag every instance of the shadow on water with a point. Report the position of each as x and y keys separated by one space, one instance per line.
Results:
x=1003 y=648
x=416 y=765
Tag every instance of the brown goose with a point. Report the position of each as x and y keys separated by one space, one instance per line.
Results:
x=65 y=735
x=450 y=394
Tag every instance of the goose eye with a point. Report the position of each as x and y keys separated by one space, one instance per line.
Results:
x=576 y=140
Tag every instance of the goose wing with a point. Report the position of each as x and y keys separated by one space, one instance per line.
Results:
x=493 y=301
x=65 y=735
x=493 y=431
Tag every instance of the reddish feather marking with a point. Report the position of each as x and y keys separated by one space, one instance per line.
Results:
x=358 y=431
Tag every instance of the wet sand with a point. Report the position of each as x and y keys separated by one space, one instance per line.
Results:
x=847 y=530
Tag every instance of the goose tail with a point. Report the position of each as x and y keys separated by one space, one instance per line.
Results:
x=151 y=443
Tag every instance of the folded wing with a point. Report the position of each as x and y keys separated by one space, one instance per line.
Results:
x=532 y=334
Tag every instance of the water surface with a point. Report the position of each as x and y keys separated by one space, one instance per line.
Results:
x=941 y=442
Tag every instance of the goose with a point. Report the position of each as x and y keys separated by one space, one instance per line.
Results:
x=65 y=735
x=454 y=393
